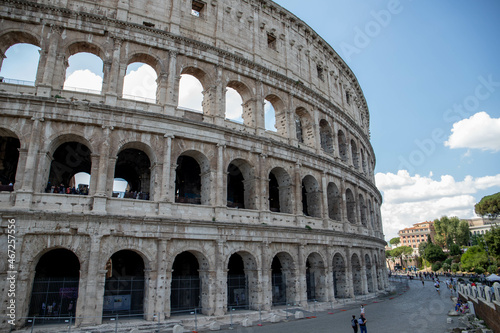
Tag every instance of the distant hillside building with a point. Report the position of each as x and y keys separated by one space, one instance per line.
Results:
x=479 y=225
x=417 y=234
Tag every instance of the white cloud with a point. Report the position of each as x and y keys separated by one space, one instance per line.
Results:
x=140 y=83
x=480 y=131
x=412 y=199
x=190 y=93
x=234 y=108
x=83 y=79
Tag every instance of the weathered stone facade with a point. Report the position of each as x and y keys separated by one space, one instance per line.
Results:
x=323 y=241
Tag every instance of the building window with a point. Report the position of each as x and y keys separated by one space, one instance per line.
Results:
x=271 y=41
x=197 y=8
x=320 y=73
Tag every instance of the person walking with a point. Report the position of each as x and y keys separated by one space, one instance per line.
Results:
x=362 y=310
x=422 y=279
x=354 y=324
x=362 y=324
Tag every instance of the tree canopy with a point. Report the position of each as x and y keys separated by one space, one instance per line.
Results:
x=433 y=253
x=492 y=239
x=489 y=206
x=451 y=231
x=395 y=241
x=474 y=257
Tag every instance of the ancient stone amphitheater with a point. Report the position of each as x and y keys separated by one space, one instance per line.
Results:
x=217 y=213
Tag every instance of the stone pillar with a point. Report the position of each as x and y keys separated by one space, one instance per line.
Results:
x=103 y=161
x=292 y=132
x=162 y=88
x=330 y=292
x=349 y=277
x=91 y=290
x=172 y=82
x=262 y=193
x=260 y=113
x=298 y=190
x=364 y=280
x=161 y=279
x=219 y=284
x=165 y=194
x=265 y=294
x=110 y=84
x=301 y=283
x=48 y=61
x=94 y=173
x=150 y=294
x=219 y=201
x=324 y=196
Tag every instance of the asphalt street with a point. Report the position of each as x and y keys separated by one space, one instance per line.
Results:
x=413 y=310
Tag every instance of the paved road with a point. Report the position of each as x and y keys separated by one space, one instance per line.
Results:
x=418 y=309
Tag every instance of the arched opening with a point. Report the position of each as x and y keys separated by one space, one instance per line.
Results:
x=355 y=154
x=186 y=284
x=280 y=191
x=133 y=165
x=240 y=185
x=326 y=137
x=69 y=159
x=356 y=275
x=351 y=206
x=187 y=181
x=84 y=73
x=372 y=215
x=20 y=64
x=378 y=272
x=274 y=193
x=279 y=122
x=362 y=209
x=369 y=277
x=334 y=202
x=139 y=82
x=55 y=287
x=282 y=270
x=9 y=158
x=311 y=197
x=298 y=130
x=315 y=278
x=120 y=187
x=124 y=286
x=340 y=287
x=190 y=93
x=270 y=116
x=237 y=283
x=304 y=127
x=342 y=147
x=363 y=162
x=82 y=183
x=234 y=105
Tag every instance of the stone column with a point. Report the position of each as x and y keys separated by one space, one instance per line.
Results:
x=298 y=191
x=161 y=279
x=265 y=294
x=219 y=201
x=110 y=86
x=172 y=83
x=330 y=292
x=165 y=194
x=324 y=196
x=162 y=88
x=301 y=283
x=100 y=197
x=364 y=280
x=48 y=61
x=91 y=290
x=349 y=277
x=219 y=284
x=262 y=193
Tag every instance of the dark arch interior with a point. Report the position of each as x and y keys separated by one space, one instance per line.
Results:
x=274 y=193
x=235 y=187
x=188 y=181
x=55 y=287
x=237 y=285
x=133 y=165
x=124 y=289
x=9 y=157
x=278 y=283
x=69 y=159
x=185 y=289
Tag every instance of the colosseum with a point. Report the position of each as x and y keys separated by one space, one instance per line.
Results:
x=275 y=207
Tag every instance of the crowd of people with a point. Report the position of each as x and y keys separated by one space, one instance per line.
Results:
x=62 y=189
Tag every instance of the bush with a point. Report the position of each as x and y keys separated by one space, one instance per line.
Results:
x=479 y=270
x=436 y=266
x=448 y=261
x=446 y=267
x=455 y=267
x=492 y=269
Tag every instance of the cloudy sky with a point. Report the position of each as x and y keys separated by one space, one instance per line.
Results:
x=431 y=76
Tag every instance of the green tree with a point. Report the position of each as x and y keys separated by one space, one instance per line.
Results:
x=395 y=241
x=474 y=257
x=434 y=253
x=401 y=251
x=489 y=206
x=455 y=250
x=421 y=248
x=492 y=239
x=451 y=231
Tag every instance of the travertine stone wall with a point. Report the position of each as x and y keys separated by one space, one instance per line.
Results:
x=262 y=51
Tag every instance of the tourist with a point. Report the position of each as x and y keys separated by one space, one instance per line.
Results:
x=362 y=324
x=354 y=324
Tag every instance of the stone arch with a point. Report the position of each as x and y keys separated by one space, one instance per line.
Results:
x=369 y=276
x=12 y=37
x=125 y=283
x=242 y=281
x=350 y=205
x=199 y=177
x=311 y=197
x=342 y=140
x=281 y=123
x=304 y=127
x=334 y=198
x=363 y=161
x=315 y=278
x=356 y=275
x=362 y=209
x=241 y=185
x=371 y=214
x=326 y=137
x=355 y=154
x=148 y=59
x=190 y=283
x=56 y=268
x=78 y=46
x=247 y=106
x=339 y=271
x=283 y=279
x=280 y=191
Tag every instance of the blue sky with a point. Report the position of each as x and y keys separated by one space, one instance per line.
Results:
x=430 y=73
x=423 y=66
